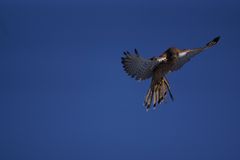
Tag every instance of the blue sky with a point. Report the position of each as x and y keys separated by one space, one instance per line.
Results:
x=64 y=94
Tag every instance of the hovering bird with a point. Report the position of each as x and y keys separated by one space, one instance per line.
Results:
x=158 y=67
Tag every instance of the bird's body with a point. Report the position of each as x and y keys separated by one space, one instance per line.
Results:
x=158 y=67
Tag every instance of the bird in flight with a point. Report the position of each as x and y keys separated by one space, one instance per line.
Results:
x=158 y=67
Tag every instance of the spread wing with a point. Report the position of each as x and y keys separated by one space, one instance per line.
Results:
x=138 y=67
x=189 y=53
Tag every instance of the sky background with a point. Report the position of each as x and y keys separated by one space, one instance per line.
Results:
x=65 y=96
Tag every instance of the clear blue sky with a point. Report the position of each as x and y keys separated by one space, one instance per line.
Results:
x=65 y=96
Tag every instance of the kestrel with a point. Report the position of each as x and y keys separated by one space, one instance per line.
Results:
x=158 y=67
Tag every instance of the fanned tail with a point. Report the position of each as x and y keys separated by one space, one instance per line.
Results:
x=157 y=93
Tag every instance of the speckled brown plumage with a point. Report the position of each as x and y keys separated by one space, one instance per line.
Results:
x=157 y=68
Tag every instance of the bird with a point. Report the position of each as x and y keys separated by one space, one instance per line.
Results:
x=158 y=67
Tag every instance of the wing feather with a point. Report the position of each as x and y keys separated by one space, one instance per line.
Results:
x=190 y=53
x=193 y=52
x=138 y=67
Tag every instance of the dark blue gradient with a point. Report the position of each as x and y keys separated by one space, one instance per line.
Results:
x=65 y=96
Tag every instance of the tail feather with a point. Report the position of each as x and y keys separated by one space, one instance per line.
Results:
x=168 y=87
x=160 y=98
x=157 y=93
x=148 y=98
